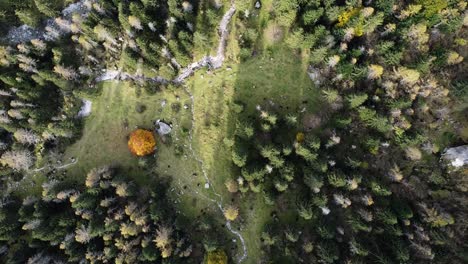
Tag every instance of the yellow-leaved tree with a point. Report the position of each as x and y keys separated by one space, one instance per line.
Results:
x=141 y=142
x=217 y=257
x=231 y=213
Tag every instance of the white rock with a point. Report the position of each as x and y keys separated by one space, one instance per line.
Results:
x=85 y=108
x=457 y=157
x=325 y=210
x=340 y=230
x=164 y=128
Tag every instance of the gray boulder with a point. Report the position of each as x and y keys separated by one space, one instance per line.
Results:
x=457 y=157
x=163 y=128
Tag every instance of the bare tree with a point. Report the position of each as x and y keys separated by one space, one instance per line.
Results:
x=39 y=45
x=82 y=235
x=135 y=22
x=66 y=72
x=17 y=159
x=25 y=136
x=163 y=240
x=27 y=64
x=63 y=24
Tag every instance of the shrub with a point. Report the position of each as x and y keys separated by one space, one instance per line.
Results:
x=216 y=257
x=140 y=108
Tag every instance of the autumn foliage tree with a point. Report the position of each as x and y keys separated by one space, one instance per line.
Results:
x=141 y=142
x=231 y=213
x=217 y=257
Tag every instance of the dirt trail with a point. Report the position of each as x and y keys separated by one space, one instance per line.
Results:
x=56 y=167
x=213 y=62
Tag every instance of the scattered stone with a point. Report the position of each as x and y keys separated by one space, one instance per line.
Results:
x=187 y=7
x=163 y=102
x=258 y=5
x=162 y=128
x=325 y=210
x=85 y=108
x=186 y=106
x=207 y=185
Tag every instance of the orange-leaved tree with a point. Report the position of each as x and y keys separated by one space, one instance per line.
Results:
x=141 y=142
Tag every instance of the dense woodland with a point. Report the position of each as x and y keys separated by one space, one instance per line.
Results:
x=359 y=181
x=365 y=178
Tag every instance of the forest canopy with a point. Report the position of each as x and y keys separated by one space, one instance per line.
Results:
x=295 y=131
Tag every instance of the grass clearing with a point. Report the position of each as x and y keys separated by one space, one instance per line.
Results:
x=104 y=141
x=113 y=117
x=275 y=75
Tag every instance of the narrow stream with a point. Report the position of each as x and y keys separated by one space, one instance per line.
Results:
x=213 y=62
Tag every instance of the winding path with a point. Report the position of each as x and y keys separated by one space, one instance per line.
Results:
x=57 y=167
x=213 y=62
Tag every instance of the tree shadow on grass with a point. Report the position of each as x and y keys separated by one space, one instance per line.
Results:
x=274 y=79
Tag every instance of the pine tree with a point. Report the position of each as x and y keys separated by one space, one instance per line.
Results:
x=50 y=8
x=29 y=16
x=356 y=100
x=305 y=211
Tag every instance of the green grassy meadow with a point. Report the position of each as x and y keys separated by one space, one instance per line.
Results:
x=114 y=116
x=268 y=77
x=275 y=75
